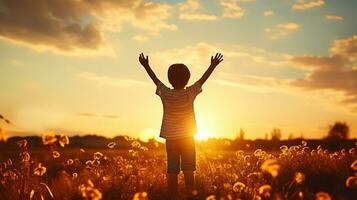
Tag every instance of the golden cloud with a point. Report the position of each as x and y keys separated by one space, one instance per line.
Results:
x=103 y=80
x=333 y=18
x=281 y=30
x=232 y=9
x=69 y=26
x=190 y=10
x=334 y=72
x=307 y=4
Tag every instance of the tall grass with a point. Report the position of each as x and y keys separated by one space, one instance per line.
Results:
x=296 y=172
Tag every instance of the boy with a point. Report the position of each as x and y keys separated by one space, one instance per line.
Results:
x=178 y=123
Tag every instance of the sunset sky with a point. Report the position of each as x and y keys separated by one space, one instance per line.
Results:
x=72 y=65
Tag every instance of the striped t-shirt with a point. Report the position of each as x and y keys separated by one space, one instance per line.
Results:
x=179 y=117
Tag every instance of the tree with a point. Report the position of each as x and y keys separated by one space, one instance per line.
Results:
x=241 y=134
x=339 y=130
x=275 y=134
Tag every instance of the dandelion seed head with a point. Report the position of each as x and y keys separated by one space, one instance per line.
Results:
x=238 y=187
x=271 y=166
x=354 y=165
x=299 y=177
x=264 y=190
x=63 y=140
x=55 y=154
x=351 y=182
x=140 y=196
x=39 y=170
x=70 y=162
x=22 y=143
x=111 y=145
x=25 y=156
x=211 y=197
x=322 y=196
x=97 y=155
x=135 y=144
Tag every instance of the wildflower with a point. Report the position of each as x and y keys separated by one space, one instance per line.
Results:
x=97 y=155
x=322 y=196
x=111 y=145
x=69 y=161
x=351 y=151
x=140 y=196
x=56 y=154
x=301 y=195
x=239 y=153
x=63 y=140
x=299 y=177
x=284 y=149
x=257 y=152
x=127 y=138
x=354 y=165
x=22 y=143
x=49 y=138
x=39 y=170
x=32 y=193
x=74 y=175
x=25 y=156
x=107 y=178
x=135 y=144
x=351 y=182
x=211 y=197
x=238 y=186
x=88 y=191
x=143 y=148
x=304 y=143
x=9 y=161
x=89 y=163
x=10 y=174
x=271 y=166
x=264 y=190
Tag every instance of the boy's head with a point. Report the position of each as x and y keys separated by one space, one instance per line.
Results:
x=178 y=75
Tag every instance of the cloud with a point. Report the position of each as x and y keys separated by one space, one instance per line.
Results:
x=141 y=38
x=102 y=80
x=69 y=26
x=190 y=10
x=334 y=72
x=281 y=30
x=232 y=9
x=198 y=16
x=198 y=55
x=333 y=18
x=268 y=13
x=307 y=4
x=88 y=114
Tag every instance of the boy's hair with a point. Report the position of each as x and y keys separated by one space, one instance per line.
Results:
x=178 y=75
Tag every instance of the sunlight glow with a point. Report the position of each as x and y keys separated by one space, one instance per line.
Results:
x=203 y=132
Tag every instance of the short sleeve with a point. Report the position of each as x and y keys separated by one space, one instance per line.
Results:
x=195 y=89
x=161 y=89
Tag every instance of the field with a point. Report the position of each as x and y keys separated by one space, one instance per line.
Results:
x=60 y=172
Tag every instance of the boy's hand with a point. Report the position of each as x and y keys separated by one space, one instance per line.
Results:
x=144 y=61
x=216 y=60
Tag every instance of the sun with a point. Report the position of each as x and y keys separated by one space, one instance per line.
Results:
x=202 y=131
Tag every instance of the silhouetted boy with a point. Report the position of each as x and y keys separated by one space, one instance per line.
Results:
x=178 y=123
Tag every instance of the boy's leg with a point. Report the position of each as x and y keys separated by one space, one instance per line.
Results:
x=189 y=179
x=173 y=168
x=188 y=163
x=172 y=180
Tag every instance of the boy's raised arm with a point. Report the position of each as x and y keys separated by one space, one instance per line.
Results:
x=145 y=63
x=218 y=58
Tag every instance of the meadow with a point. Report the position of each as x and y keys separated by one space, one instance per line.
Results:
x=57 y=171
